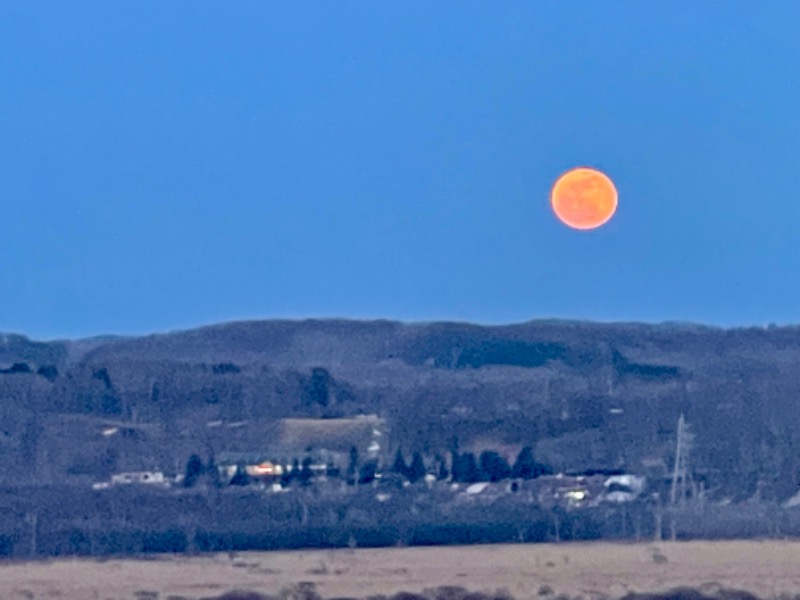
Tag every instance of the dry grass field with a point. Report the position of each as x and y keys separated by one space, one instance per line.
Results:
x=333 y=434
x=589 y=570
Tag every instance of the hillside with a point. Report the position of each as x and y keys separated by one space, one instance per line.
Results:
x=585 y=395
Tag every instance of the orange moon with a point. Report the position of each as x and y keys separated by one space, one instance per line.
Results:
x=584 y=198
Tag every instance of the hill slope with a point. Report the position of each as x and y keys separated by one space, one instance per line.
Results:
x=584 y=394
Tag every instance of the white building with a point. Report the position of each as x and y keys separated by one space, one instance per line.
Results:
x=623 y=488
x=139 y=477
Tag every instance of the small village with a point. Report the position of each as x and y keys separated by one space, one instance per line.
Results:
x=271 y=476
x=454 y=479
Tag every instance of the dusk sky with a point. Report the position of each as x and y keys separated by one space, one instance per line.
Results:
x=165 y=165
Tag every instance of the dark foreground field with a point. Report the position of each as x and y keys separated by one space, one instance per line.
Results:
x=589 y=571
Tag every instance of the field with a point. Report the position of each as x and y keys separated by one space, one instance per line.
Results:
x=334 y=434
x=589 y=570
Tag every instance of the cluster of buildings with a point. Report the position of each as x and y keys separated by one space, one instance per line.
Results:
x=572 y=491
x=269 y=471
x=153 y=478
x=259 y=468
x=333 y=440
x=566 y=491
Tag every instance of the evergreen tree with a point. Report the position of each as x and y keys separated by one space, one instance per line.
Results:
x=542 y=469
x=399 y=466
x=457 y=467
x=287 y=476
x=441 y=472
x=306 y=473
x=212 y=472
x=194 y=469
x=493 y=467
x=417 y=469
x=526 y=466
x=240 y=477
x=367 y=472
x=471 y=473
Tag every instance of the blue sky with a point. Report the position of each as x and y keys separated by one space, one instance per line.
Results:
x=171 y=164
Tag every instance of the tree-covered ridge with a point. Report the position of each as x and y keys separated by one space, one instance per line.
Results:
x=581 y=395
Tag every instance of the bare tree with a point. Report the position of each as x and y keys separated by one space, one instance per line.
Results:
x=33 y=520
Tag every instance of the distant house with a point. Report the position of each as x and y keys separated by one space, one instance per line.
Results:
x=482 y=492
x=577 y=492
x=259 y=465
x=582 y=491
x=576 y=496
x=623 y=488
x=567 y=491
x=476 y=488
x=264 y=469
x=139 y=477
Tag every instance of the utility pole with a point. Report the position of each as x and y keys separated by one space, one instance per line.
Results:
x=680 y=472
x=678 y=469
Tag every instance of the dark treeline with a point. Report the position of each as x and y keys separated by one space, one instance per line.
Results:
x=489 y=466
x=40 y=522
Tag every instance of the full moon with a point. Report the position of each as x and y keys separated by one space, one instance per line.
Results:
x=584 y=198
